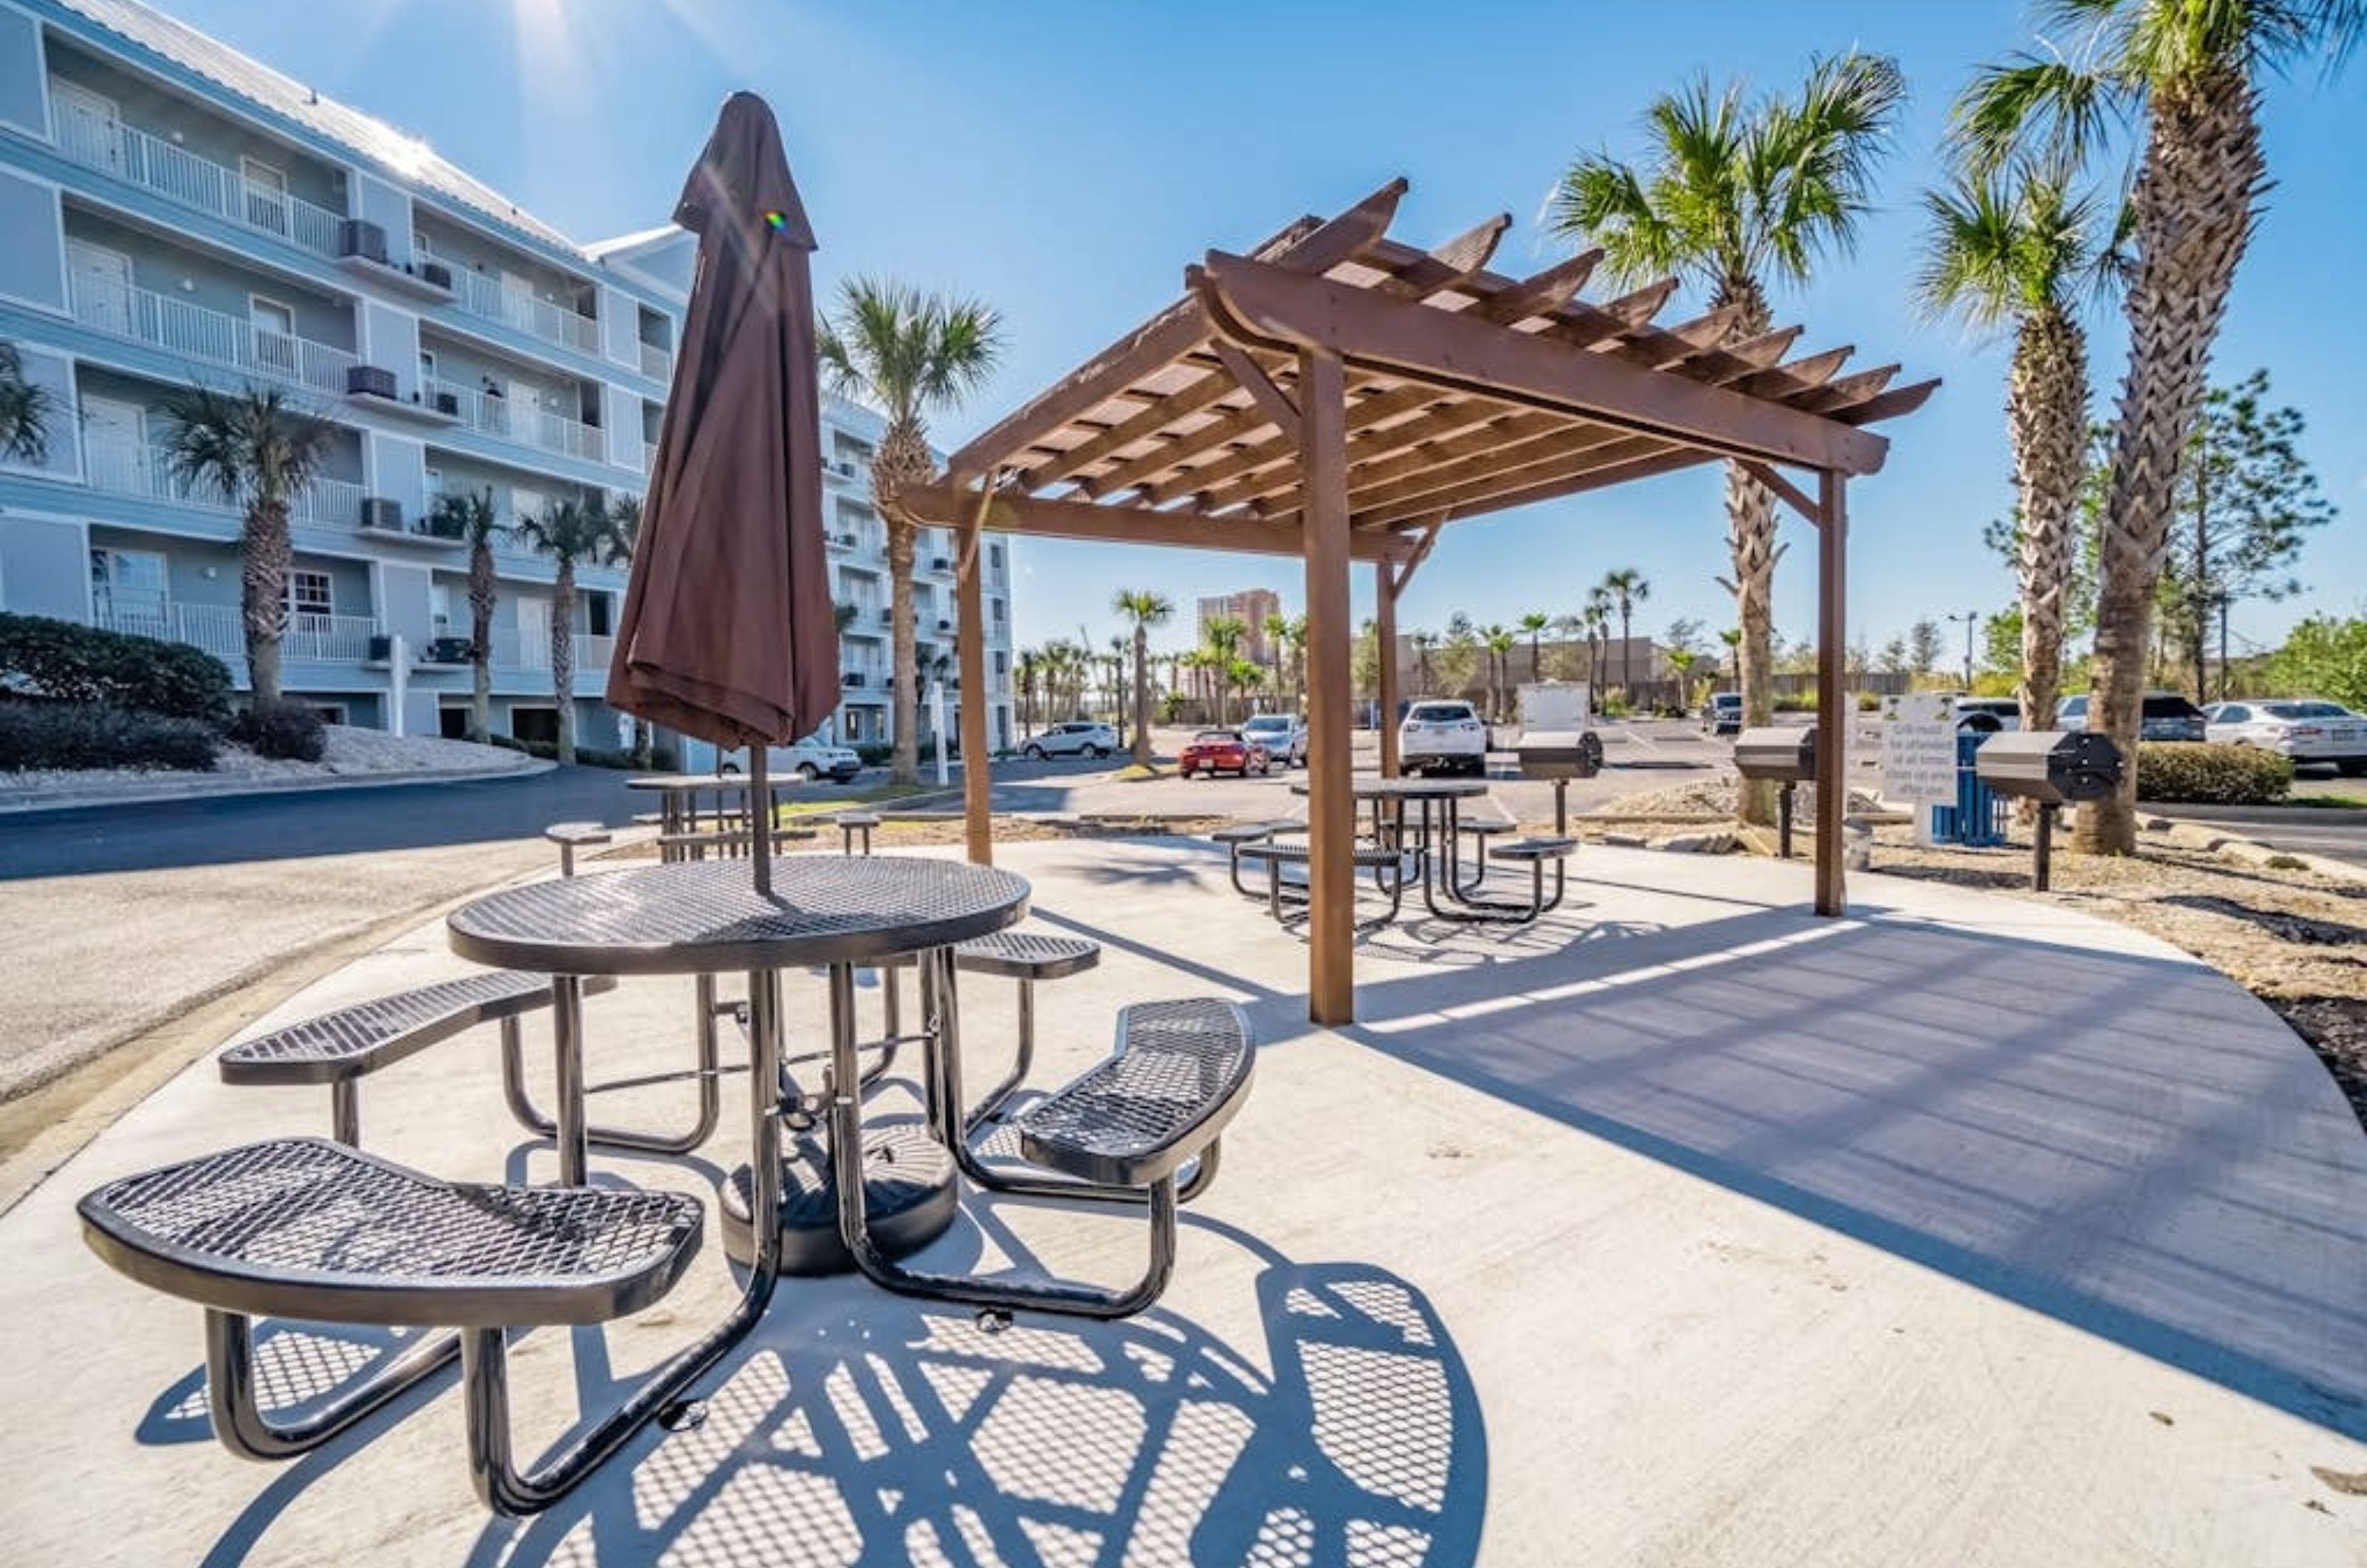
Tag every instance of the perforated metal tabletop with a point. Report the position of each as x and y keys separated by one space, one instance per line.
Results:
x=707 y=917
x=1372 y=786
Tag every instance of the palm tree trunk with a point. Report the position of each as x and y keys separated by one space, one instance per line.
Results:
x=480 y=642
x=266 y=555
x=2046 y=409
x=2194 y=205
x=1750 y=549
x=1142 y=694
x=903 y=546
x=562 y=657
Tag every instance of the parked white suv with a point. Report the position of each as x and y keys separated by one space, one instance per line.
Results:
x=812 y=760
x=1443 y=737
x=1081 y=739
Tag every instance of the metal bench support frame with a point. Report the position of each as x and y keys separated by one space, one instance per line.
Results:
x=567 y=1014
x=236 y=1408
x=944 y=1047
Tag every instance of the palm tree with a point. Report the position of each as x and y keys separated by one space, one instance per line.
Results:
x=568 y=531
x=1424 y=644
x=1596 y=617
x=2189 y=71
x=1293 y=643
x=624 y=541
x=262 y=452
x=1027 y=667
x=1736 y=196
x=1732 y=637
x=24 y=410
x=911 y=353
x=1534 y=625
x=1500 y=641
x=1626 y=587
x=2019 y=247
x=1223 y=635
x=1143 y=608
x=468 y=516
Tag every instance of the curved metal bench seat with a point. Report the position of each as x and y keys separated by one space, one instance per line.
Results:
x=306 y=1228
x=1027 y=955
x=1541 y=849
x=1180 y=1073
x=1389 y=868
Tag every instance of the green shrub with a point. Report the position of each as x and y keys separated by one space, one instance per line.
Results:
x=89 y=735
x=71 y=663
x=288 y=731
x=875 y=753
x=2216 y=776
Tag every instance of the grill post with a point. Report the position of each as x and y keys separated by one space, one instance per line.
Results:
x=1784 y=818
x=2044 y=869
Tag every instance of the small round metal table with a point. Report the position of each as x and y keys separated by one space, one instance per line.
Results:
x=706 y=918
x=1438 y=851
x=681 y=806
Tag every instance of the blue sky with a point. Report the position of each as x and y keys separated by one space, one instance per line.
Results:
x=1064 y=160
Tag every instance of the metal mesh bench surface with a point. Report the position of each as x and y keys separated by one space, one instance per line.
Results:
x=576 y=833
x=1535 y=849
x=1299 y=854
x=1027 y=955
x=301 y=1227
x=1252 y=832
x=1182 y=1069
x=360 y=1039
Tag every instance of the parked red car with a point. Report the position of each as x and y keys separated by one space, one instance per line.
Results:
x=1223 y=752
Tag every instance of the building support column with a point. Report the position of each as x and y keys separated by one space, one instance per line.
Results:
x=977 y=783
x=1835 y=712
x=1385 y=626
x=1330 y=809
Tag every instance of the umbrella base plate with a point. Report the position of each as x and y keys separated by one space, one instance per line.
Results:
x=910 y=1198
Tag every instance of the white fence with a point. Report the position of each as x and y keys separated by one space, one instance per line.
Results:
x=220 y=630
x=119 y=468
x=485 y=295
x=215 y=337
x=516 y=419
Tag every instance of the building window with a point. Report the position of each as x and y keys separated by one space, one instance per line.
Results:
x=998 y=612
x=128 y=588
x=597 y=609
x=439 y=607
x=994 y=557
x=311 y=593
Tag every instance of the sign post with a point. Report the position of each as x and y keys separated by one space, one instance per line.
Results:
x=1919 y=756
x=937 y=722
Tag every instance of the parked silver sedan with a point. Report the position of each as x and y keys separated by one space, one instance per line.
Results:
x=2305 y=729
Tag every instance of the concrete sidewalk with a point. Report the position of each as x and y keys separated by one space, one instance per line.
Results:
x=1679 y=1228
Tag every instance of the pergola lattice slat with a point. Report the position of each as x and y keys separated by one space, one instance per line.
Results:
x=1339 y=395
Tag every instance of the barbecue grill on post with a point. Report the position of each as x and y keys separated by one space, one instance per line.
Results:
x=1780 y=755
x=2053 y=767
x=1560 y=755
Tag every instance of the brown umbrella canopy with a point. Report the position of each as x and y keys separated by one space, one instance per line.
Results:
x=728 y=632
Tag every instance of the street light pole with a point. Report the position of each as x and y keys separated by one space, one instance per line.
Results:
x=1971 y=619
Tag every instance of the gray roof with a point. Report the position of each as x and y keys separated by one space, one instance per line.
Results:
x=403 y=158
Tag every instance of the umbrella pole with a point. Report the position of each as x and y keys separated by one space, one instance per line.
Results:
x=760 y=819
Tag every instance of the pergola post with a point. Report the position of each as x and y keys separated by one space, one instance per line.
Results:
x=977 y=783
x=1834 y=712
x=1384 y=626
x=1330 y=809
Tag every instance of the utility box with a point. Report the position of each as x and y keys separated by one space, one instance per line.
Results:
x=1777 y=753
x=2052 y=767
x=1559 y=753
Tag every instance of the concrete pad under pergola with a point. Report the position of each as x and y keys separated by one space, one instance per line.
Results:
x=1339 y=396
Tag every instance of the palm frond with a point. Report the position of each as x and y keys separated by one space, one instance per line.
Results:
x=24 y=410
x=255 y=446
x=2050 y=109
x=466 y=515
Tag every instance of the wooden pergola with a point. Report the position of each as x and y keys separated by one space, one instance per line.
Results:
x=1339 y=396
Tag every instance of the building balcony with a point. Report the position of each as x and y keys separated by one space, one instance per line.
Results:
x=515 y=655
x=119 y=468
x=181 y=176
x=488 y=298
x=218 y=629
x=212 y=337
x=657 y=363
x=516 y=420
x=650 y=457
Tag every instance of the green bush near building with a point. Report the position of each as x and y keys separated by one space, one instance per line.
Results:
x=70 y=663
x=2194 y=772
x=288 y=731
x=44 y=734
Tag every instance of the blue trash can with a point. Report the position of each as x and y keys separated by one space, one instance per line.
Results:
x=1977 y=820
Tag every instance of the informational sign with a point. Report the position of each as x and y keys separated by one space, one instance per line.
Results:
x=1555 y=706
x=1918 y=755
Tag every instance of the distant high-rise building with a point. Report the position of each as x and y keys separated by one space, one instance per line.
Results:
x=1251 y=606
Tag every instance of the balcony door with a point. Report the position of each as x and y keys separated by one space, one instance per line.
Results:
x=267 y=196
x=98 y=281
x=89 y=127
x=534 y=634
x=273 y=327
x=115 y=447
x=128 y=592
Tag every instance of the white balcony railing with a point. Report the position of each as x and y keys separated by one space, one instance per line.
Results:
x=216 y=337
x=487 y=297
x=657 y=363
x=648 y=457
x=121 y=467
x=180 y=176
x=519 y=420
x=220 y=630
x=515 y=655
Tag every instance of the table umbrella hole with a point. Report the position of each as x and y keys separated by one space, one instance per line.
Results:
x=684 y=1416
x=992 y=1320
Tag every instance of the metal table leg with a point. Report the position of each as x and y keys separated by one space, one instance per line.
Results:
x=567 y=1049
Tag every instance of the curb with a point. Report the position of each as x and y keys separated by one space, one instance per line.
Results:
x=24 y=805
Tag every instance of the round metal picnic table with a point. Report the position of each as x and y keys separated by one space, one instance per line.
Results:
x=679 y=794
x=706 y=918
x=1389 y=797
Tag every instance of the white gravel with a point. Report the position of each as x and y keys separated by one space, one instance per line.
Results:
x=352 y=753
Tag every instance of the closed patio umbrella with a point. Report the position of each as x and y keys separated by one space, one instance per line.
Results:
x=728 y=632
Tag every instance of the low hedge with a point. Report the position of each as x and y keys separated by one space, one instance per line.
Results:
x=67 y=662
x=2197 y=772
x=285 y=730
x=90 y=735
x=662 y=759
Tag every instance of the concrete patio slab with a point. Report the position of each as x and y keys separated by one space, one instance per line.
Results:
x=1680 y=1228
